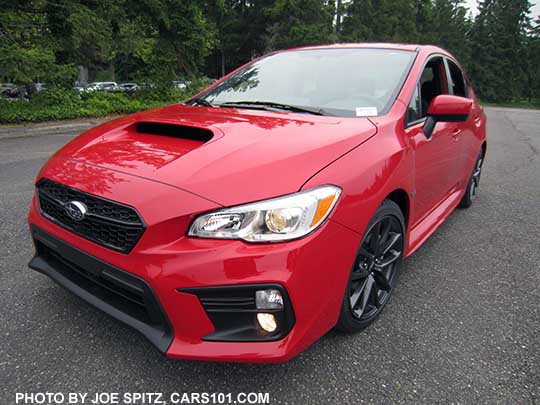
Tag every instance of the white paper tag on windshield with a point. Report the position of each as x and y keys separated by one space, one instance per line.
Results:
x=366 y=111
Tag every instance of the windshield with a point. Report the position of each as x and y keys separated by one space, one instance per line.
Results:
x=342 y=82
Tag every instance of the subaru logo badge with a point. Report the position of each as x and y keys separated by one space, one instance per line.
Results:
x=76 y=210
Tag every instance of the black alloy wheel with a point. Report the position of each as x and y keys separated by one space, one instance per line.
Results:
x=473 y=184
x=375 y=272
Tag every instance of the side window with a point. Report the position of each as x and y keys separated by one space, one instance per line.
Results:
x=414 y=111
x=457 y=82
x=431 y=84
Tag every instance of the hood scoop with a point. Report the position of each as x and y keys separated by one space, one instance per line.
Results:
x=143 y=147
x=174 y=131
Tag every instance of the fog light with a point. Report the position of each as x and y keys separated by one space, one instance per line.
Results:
x=269 y=299
x=267 y=321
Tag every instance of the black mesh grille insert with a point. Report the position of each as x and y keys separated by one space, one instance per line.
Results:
x=108 y=223
x=122 y=295
x=127 y=297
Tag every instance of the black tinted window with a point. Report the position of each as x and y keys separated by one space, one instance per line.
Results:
x=457 y=82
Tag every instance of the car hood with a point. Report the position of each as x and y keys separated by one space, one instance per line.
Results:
x=225 y=155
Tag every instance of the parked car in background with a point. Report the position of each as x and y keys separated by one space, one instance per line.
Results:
x=40 y=86
x=128 y=87
x=100 y=86
x=80 y=86
x=12 y=91
x=5 y=86
x=111 y=88
x=275 y=205
x=146 y=86
x=6 y=89
x=181 y=84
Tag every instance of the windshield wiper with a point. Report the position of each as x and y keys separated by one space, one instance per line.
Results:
x=270 y=105
x=200 y=101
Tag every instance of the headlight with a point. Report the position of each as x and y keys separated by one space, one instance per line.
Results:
x=275 y=220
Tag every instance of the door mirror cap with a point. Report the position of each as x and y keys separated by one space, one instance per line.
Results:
x=445 y=108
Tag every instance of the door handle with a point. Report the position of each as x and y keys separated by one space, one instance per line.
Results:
x=477 y=120
x=455 y=133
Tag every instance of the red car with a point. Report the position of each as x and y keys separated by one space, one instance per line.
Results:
x=279 y=203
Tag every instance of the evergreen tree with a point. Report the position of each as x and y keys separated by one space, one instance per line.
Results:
x=241 y=32
x=357 y=24
x=483 y=48
x=449 y=28
x=184 y=36
x=424 y=22
x=300 y=22
x=26 y=51
x=497 y=42
x=380 y=21
x=532 y=84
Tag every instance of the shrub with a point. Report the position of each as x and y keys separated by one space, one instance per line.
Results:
x=59 y=104
x=56 y=96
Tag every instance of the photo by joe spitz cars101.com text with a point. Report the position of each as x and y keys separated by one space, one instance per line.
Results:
x=277 y=204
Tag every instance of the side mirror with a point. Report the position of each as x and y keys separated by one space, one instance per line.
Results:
x=445 y=108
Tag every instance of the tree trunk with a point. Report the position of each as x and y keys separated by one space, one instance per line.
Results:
x=82 y=74
x=338 y=16
x=181 y=63
x=222 y=62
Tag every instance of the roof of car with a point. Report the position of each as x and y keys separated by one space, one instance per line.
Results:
x=377 y=45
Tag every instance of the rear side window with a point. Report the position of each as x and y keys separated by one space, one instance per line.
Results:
x=457 y=82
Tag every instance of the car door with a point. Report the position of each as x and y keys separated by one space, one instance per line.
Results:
x=435 y=157
x=464 y=131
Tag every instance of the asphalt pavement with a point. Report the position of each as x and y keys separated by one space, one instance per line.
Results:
x=463 y=325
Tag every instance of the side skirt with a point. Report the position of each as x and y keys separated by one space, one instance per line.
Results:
x=423 y=230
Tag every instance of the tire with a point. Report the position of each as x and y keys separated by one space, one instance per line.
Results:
x=374 y=275
x=474 y=182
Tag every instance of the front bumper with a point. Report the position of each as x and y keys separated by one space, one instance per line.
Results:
x=122 y=295
x=313 y=271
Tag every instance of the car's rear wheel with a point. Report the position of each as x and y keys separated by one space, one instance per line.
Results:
x=376 y=268
x=474 y=182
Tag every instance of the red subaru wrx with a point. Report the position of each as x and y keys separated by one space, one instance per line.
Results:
x=246 y=222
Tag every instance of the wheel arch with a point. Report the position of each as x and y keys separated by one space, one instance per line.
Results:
x=484 y=149
x=401 y=198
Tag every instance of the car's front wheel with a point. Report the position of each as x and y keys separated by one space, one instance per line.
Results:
x=376 y=268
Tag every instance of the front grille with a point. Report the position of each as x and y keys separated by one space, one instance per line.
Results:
x=108 y=223
x=121 y=294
